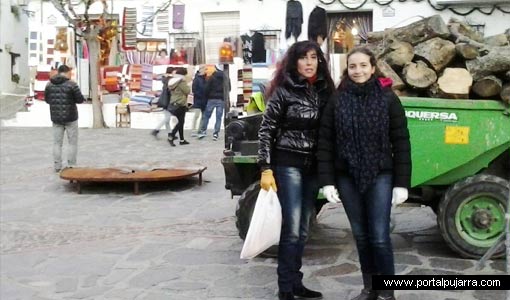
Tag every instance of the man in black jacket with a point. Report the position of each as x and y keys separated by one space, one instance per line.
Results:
x=214 y=96
x=62 y=94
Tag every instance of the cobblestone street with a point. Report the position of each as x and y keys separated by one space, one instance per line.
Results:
x=175 y=240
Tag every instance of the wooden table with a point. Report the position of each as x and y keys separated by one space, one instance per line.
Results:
x=80 y=175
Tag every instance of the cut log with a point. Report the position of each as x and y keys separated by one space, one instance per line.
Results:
x=400 y=53
x=505 y=93
x=496 y=61
x=414 y=33
x=455 y=83
x=489 y=86
x=464 y=32
x=419 y=75
x=387 y=71
x=498 y=40
x=437 y=52
x=466 y=51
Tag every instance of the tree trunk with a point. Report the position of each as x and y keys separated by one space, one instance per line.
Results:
x=505 y=93
x=418 y=75
x=97 y=106
x=497 y=60
x=437 y=52
x=414 y=33
x=455 y=83
x=488 y=86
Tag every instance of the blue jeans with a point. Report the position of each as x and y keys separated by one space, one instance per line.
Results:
x=297 y=192
x=211 y=105
x=369 y=215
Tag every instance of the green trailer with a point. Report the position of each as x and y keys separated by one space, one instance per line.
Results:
x=460 y=152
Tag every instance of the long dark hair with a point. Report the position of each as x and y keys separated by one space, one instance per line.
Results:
x=372 y=59
x=288 y=65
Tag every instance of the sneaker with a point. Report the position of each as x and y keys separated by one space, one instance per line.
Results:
x=201 y=136
x=171 y=142
x=183 y=142
x=194 y=134
x=215 y=137
x=154 y=133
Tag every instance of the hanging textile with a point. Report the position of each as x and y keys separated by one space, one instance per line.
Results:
x=147 y=17
x=247 y=47
x=178 y=16
x=259 y=48
x=317 y=25
x=294 y=19
x=162 y=21
x=129 y=28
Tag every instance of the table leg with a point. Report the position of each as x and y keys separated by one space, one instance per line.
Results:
x=136 y=188
x=78 y=185
x=200 y=178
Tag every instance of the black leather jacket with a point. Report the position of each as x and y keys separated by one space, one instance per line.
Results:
x=62 y=95
x=288 y=133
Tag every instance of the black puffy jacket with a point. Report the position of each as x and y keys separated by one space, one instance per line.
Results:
x=62 y=95
x=288 y=134
x=214 y=86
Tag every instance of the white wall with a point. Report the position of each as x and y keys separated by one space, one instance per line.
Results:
x=13 y=34
x=270 y=14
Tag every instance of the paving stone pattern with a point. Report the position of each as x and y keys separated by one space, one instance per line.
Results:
x=175 y=240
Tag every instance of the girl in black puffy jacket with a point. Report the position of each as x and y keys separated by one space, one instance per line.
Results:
x=287 y=144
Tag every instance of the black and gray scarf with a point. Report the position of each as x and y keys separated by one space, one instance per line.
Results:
x=362 y=125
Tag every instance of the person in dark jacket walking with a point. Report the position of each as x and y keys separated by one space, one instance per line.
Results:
x=62 y=94
x=199 y=100
x=214 y=96
x=288 y=138
x=364 y=151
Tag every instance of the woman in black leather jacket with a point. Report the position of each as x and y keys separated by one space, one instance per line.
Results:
x=287 y=143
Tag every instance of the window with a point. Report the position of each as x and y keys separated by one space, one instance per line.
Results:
x=34 y=35
x=33 y=47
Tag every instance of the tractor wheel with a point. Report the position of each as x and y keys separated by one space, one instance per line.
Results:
x=471 y=216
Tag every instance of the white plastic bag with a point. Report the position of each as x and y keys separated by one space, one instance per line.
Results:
x=265 y=225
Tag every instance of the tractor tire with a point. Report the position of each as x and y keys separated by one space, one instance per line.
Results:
x=471 y=215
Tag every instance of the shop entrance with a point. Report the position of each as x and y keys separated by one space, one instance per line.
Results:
x=218 y=26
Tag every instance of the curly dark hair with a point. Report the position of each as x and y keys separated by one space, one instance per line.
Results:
x=288 y=65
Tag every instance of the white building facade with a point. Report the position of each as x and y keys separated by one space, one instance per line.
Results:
x=13 y=45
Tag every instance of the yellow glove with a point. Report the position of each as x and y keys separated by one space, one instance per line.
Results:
x=267 y=180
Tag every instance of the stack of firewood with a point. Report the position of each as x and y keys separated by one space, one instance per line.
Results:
x=433 y=59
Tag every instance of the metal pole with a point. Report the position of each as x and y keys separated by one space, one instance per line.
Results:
x=226 y=98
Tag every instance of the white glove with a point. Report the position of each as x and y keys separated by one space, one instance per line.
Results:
x=331 y=193
x=400 y=195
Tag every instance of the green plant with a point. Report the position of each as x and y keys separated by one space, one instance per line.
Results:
x=15 y=11
x=15 y=78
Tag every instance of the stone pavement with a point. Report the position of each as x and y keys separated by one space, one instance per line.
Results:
x=176 y=240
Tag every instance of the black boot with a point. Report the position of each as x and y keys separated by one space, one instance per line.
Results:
x=386 y=295
x=366 y=293
x=285 y=296
x=304 y=293
x=171 y=139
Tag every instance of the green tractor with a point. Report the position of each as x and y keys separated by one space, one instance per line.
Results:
x=461 y=168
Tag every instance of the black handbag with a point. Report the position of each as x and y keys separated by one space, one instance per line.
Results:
x=164 y=98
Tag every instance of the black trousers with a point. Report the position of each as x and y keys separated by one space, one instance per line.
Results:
x=180 y=114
